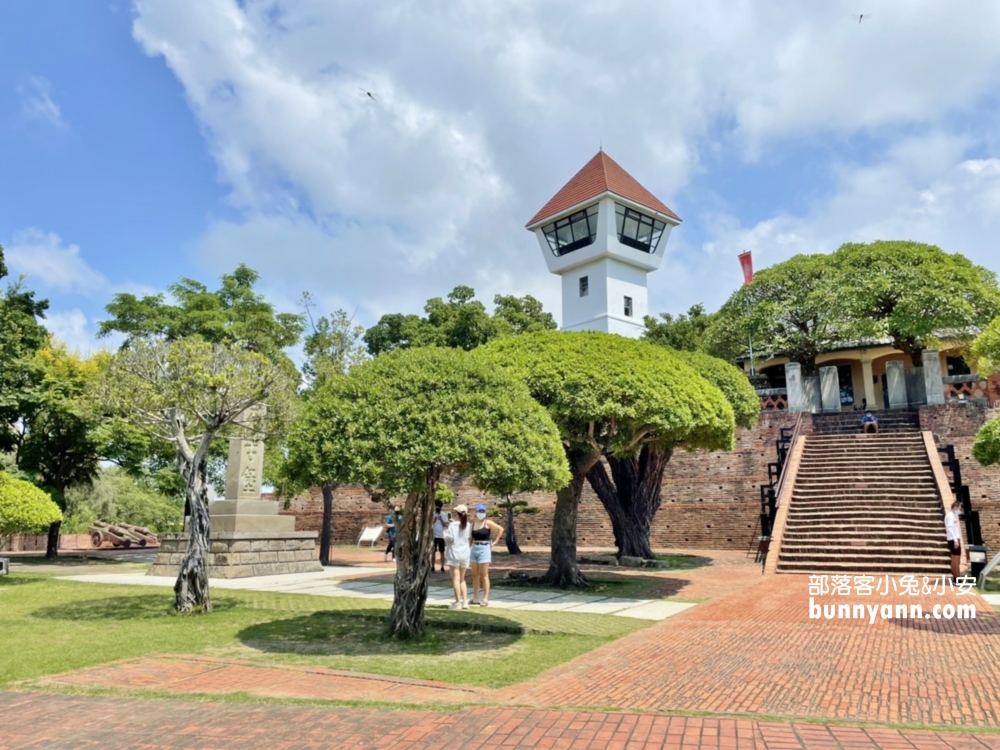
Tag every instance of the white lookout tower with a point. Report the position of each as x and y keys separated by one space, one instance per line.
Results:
x=603 y=232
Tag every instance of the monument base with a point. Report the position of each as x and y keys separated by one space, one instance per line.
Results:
x=241 y=554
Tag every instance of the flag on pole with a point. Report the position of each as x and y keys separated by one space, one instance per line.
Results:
x=746 y=262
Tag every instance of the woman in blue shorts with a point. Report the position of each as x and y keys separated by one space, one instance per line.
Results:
x=485 y=534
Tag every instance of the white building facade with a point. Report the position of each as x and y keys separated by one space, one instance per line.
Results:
x=603 y=233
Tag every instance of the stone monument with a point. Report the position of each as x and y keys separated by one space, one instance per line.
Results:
x=248 y=536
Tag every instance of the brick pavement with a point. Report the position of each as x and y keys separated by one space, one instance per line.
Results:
x=757 y=652
x=41 y=720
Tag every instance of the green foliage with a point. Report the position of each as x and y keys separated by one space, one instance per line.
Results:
x=910 y=293
x=986 y=447
x=233 y=314
x=444 y=494
x=904 y=293
x=24 y=508
x=462 y=323
x=332 y=347
x=789 y=312
x=183 y=390
x=516 y=507
x=733 y=383
x=985 y=350
x=683 y=333
x=610 y=394
x=391 y=421
x=116 y=497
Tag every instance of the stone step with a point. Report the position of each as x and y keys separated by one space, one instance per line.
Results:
x=858 y=505
x=821 y=541
x=866 y=493
x=909 y=556
x=869 y=568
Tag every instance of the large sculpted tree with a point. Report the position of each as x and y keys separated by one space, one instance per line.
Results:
x=631 y=494
x=611 y=396
x=910 y=293
x=186 y=393
x=401 y=422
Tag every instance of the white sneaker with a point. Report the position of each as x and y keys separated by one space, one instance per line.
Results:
x=465 y=605
x=456 y=605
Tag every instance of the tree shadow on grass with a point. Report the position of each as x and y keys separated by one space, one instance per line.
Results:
x=20 y=579
x=363 y=633
x=121 y=608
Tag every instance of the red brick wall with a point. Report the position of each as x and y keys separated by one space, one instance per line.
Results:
x=956 y=424
x=710 y=500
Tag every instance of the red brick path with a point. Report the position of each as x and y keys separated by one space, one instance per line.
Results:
x=757 y=652
x=36 y=720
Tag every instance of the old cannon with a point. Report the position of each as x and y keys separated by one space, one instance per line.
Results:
x=122 y=535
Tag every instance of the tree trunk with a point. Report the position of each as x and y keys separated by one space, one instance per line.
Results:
x=324 y=540
x=191 y=587
x=510 y=535
x=52 y=545
x=633 y=497
x=563 y=569
x=414 y=541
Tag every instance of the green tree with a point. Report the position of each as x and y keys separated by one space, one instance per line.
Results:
x=24 y=508
x=401 y=422
x=187 y=393
x=985 y=353
x=115 y=497
x=58 y=438
x=234 y=314
x=683 y=333
x=610 y=396
x=632 y=492
x=461 y=322
x=331 y=350
x=510 y=508
x=788 y=310
x=910 y=293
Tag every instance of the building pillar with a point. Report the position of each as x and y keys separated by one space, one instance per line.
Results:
x=793 y=388
x=869 y=378
x=933 y=384
x=896 y=382
x=829 y=388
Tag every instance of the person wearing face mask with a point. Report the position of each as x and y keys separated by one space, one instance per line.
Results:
x=953 y=535
x=485 y=534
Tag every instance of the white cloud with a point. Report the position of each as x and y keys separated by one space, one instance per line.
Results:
x=46 y=260
x=37 y=103
x=72 y=328
x=955 y=205
x=485 y=109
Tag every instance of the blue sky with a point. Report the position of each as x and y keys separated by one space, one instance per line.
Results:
x=144 y=141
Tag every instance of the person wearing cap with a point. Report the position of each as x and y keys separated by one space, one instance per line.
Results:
x=485 y=534
x=457 y=550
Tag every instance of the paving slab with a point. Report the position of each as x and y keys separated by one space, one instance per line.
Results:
x=655 y=610
x=992 y=599
x=534 y=596
x=608 y=606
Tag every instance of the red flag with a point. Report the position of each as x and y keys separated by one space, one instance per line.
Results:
x=746 y=262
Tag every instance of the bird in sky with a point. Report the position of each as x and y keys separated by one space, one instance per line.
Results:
x=862 y=16
x=367 y=93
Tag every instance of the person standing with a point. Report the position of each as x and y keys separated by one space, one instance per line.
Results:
x=457 y=538
x=485 y=534
x=954 y=537
x=390 y=531
x=440 y=524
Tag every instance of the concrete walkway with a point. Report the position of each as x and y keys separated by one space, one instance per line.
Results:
x=344 y=582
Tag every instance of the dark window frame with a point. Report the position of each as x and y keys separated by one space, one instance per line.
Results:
x=629 y=308
x=585 y=219
x=631 y=225
x=584 y=286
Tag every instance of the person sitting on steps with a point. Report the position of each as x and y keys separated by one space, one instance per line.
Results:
x=869 y=423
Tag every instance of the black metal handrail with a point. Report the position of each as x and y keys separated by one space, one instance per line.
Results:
x=769 y=491
x=973 y=529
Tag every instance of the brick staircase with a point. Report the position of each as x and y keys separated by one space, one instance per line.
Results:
x=849 y=422
x=864 y=503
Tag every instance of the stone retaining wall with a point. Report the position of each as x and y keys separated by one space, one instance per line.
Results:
x=243 y=554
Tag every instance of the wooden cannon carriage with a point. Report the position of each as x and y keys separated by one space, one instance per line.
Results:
x=121 y=535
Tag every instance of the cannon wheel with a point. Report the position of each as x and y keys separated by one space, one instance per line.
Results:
x=127 y=543
x=95 y=538
x=142 y=542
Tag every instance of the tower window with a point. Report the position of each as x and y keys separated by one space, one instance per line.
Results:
x=572 y=232
x=584 y=286
x=628 y=307
x=637 y=230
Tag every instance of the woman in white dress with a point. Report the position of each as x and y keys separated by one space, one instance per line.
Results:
x=457 y=553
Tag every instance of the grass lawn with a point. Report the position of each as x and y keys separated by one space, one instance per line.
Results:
x=55 y=626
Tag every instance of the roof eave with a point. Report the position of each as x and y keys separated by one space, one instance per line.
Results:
x=607 y=193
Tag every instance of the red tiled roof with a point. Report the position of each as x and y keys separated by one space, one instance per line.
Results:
x=600 y=175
